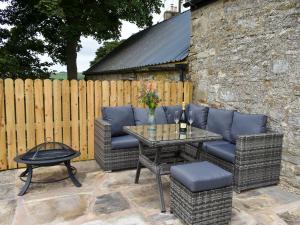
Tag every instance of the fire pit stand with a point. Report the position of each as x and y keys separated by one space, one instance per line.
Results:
x=44 y=155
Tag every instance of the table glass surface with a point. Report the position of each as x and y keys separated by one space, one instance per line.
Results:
x=169 y=132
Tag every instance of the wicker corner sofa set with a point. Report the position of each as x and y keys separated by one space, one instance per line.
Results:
x=248 y=152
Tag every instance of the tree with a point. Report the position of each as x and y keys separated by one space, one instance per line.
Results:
x=61 y=23
x=106 y=48
x=18 y=58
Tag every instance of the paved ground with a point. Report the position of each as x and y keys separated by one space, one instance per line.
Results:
x=114 y=199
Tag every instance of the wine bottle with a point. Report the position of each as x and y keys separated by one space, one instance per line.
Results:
x=182 y=120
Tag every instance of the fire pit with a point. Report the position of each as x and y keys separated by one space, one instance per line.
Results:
x=47 y=154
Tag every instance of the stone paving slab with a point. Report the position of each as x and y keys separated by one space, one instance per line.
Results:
x=114 y=199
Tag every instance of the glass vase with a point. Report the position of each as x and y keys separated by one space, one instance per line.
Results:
x=151 y=119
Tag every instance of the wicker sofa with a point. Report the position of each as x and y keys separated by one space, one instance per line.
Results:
x=251 y=153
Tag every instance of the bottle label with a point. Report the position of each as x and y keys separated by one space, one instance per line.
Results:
x=183 y=125
x=182 y=136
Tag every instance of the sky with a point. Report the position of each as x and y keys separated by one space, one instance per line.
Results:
x=89 y=45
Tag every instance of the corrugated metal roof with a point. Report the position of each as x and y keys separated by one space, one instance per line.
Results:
x=165 y=42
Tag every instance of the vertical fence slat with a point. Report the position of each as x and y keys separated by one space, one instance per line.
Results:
x=173 y=99
x=30 y=122
x=20 y=117
x=139 y=87
x=48 y=110
x=167 y=93
x=127 y=92
x=187 y=92
x=113 y=93
x=74 y=115
x=105 y=93
x=160 y=91
x=90 y=116
x=134 y=93
x=120 y=92
x=3 y=150
x=179 y=92
x=190 y=92
x=39 y=111
x=82 y=120
x=66 y=111
x=57 y=110
x=98 y=98
x=10 y=123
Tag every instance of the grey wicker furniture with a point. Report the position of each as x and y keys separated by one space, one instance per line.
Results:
x=106 y=157
x=168 y=145
x=201 y=194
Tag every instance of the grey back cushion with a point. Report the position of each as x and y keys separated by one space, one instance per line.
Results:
x=170 y=112
x=243 y=124
x=118 y=117
x=160 y=116
x=141 y=116
x=219 y=121
x=199 y=115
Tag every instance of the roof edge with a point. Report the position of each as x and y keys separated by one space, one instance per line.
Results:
x=131 y=38
x=133 y=69
x=195 y=4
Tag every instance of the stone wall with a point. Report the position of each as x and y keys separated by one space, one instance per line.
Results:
x=245 y=55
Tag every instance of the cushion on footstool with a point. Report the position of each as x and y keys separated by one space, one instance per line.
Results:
x=201 y=176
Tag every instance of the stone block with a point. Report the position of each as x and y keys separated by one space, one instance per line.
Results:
x=280 y=66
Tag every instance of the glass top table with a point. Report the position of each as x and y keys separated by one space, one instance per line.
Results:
x=168 y=134
x=161 y=146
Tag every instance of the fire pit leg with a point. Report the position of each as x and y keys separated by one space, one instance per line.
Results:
x=71 y=174
x=23 y=174
x=28 y=180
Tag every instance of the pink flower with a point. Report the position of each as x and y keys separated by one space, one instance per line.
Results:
x=149 y=87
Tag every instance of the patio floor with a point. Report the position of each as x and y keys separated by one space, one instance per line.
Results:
x=114 y=199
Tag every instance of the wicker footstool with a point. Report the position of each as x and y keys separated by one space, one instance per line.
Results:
x=201 y=193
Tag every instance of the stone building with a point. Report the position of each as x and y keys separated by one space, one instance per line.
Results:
x=245 y=55
x=158 y=52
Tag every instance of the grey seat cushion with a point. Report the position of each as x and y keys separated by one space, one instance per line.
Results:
x=243 y=124
x=170 y=112
x=124 y=142
x=199 y=114
x=201 y=176
x=141 y=116
x=221 y=149
x=118 y=117
x=219 y=121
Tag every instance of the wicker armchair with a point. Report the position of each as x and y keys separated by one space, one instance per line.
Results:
x=107 y=158
x=119 y=159
x=257 y=160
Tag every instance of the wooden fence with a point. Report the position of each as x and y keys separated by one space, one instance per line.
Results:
x=33 y=111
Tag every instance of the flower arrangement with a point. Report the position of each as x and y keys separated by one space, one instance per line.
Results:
x=148 y=96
